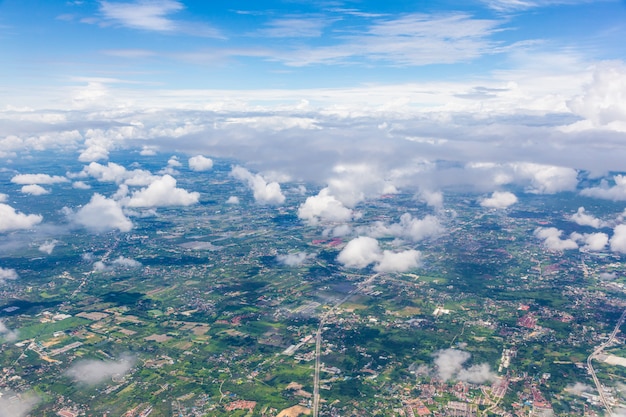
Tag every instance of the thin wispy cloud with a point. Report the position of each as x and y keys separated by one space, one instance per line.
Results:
x=295 y=27
x=518 y=5
x=413 y=39
x=154 y=16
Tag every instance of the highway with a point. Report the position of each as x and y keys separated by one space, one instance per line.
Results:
x=318 y=342
x=596 y=352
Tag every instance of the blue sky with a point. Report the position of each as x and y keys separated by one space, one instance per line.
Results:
x=305 y=90
x=293 y=44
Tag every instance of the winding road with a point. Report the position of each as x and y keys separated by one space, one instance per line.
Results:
x=596 y=352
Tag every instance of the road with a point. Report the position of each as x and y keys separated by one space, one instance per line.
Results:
x=318 y=341
x=597 y=351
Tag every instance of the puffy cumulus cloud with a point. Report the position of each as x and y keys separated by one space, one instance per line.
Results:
x=536 y=178
x=337 y=231
x=264 y=192
x=3 y=197
x=408 y=227
x=476 y=374
x=174 y=162
x=47 y=247
x=200 y=163
x=499 y=200
x=364 y=251
x=163 y=193
x=27 y=179
x=324 y=208
x=353 y=183
x=99 y=142
x=81 y=185
x=618 y=240
x=579 y=388
x=93 y=371
x=233 y=200
x=124 y=262
x=294 y=259
x=7 y=273
x=398 y=262
x=546 y=179
x=593 y=242
x=10 y=219
x=16 y=405
x=360 y=252
x=450 y=365
x=602 y=103
x=147 y=150
x=6 y=333
x=112 y=172
x=607 y=276
x=119 y=263
x=102 y=214
x=34 y=189
x=432 y=198
x=616 y=192
x=583 y=219
x=551 y=237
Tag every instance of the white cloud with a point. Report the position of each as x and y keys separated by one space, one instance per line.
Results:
x=551 y=237
x=7 y=273
x=450 y=365
x=124 y=262
x=16 y=405
x=581 y=218
x=148 y=151
x=7 y=334
x=200 y=163
x=578 y=388
x=408 y=227
x=616 y=192
x=143 y=15
x=360 y=252
x=499 y=200
x=264 y=193
x=410 y=39
x=593 y=242
x=323 y=208
x=93 y=371
x=174 y=162
x=398 y=262
x=364 y=251
x=546 y=179
x=102 y=214
x=232 y=200
x=27 y=179
x=48 y=247
x=293 y=259
x=120 y=262
x=3 y=197
x=294 y=28
x=432 y=198
x=353 y=183
x=118 y=174
x=618 y=240
x=34 y=189
x=80 y=185
x=602 y=102
x=152 y=16
x=10 y=219
x=163 y=193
